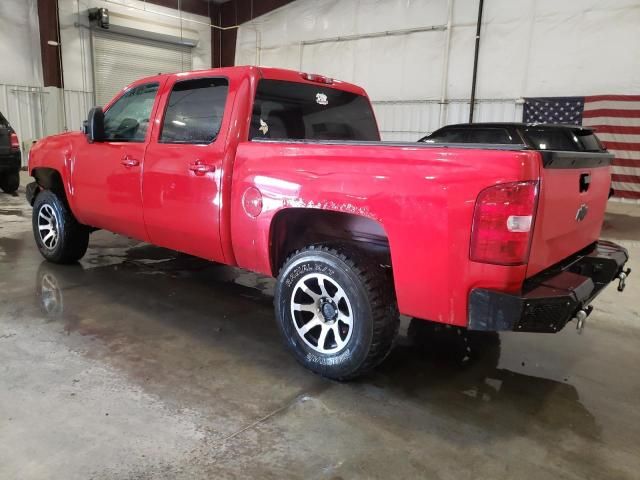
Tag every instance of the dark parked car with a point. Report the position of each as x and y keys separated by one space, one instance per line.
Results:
x=10 y=158
x=536 y=136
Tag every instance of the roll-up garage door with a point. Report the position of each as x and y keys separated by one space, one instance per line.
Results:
x=121 y=59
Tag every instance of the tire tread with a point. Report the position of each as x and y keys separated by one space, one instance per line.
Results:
x=378 y=285
x=75 y=240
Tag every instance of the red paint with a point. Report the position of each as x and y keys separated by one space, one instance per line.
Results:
x=422 y=196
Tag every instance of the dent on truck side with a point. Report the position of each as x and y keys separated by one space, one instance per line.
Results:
x=418 y=200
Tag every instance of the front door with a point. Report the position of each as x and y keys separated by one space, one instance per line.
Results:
x=107 y=174
x=182 y=171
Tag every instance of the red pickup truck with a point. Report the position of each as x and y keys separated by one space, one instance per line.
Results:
x=283 y=173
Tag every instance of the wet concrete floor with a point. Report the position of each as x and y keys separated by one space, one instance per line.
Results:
x=140 y=363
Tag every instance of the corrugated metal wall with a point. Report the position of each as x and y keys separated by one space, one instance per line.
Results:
x=76 y=105
x=24 y=108
x=27 y=109
x=411 y=119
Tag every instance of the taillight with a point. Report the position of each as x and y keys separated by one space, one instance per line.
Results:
x=503 y=223
x=15 y=144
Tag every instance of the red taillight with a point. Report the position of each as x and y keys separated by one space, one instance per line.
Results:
x=503 y=223
x=312 y=77
x=15 y=144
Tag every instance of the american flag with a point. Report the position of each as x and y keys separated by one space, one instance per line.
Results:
x=616 y=121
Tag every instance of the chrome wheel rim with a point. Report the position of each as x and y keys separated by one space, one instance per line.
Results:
x=48 y=227
x=322 y=313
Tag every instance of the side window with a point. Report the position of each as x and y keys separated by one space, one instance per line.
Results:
x=127 y=120
x=194 y=111
x=489 y=135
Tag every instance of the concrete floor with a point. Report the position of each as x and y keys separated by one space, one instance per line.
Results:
x=144 y=364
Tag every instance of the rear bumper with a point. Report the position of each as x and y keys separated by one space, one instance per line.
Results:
x=554 y=296
x=11 y=162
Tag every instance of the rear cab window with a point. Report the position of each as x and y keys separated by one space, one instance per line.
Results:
x=299 y=111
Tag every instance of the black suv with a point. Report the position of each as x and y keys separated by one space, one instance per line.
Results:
x=10 y=157
x=535 y=136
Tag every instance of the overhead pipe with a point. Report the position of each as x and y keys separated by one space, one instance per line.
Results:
x=475 y=62
x=445 y=67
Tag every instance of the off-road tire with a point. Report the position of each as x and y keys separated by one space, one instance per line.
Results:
x=72 y=237
x=375 y=318
x=9 y=181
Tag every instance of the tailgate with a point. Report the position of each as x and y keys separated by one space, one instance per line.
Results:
x=5 y=140
x=574 y=190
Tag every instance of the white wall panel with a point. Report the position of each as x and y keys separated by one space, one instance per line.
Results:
x=410 y=120
x=22 y=105
x=528 y=48
x=20 y=43
x=77 y=105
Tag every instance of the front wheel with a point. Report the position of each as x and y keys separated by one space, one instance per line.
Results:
x=336 y=311
x=59 y=236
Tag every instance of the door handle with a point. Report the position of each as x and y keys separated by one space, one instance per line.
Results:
x=129 y=162
x=200 y=168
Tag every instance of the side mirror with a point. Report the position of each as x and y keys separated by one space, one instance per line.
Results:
x=93 y=126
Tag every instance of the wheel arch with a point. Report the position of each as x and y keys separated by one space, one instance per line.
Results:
x=294 y=228
x=48 y=178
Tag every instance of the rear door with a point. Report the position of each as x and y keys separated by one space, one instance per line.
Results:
x=574 y=189
x=183 y=168
x=5 y=139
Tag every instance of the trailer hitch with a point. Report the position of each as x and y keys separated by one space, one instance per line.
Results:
x=622 y=276
x=581 y=317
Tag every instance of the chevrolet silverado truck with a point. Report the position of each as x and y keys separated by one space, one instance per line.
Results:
x=283 y=173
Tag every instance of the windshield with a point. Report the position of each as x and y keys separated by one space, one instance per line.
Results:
x=290 y=110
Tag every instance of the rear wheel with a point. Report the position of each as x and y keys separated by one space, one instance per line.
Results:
x=336 y=311
x=10 y=181
x=59 y=236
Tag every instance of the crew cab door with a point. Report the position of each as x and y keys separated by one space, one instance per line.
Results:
x=106 y=174
x=183 y=168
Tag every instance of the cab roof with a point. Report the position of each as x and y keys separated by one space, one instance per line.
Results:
x=270 y=73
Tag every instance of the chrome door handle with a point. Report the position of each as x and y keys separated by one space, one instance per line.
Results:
x=129 y=162
x=200 y=168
